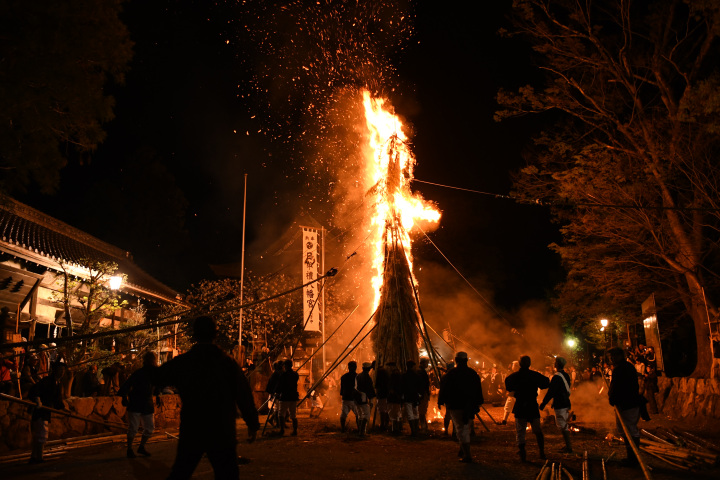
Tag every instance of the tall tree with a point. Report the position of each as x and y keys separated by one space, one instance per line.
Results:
x=636 y=150
x=279 y=320
x=56 y=58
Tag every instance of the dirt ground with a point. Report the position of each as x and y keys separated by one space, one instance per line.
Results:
x=321 y=451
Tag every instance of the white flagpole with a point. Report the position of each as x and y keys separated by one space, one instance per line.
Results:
x=322 y=305
x=242 y=277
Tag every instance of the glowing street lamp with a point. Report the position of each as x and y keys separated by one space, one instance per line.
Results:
x=571 y=342
x=115 y=282
x=604 y=322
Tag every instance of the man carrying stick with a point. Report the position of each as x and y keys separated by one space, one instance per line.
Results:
x=624 y=394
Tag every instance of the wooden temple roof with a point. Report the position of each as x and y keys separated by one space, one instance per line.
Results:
x=33 y=236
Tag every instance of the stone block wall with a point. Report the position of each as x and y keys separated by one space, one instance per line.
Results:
x=689 y=398
x=15 y=419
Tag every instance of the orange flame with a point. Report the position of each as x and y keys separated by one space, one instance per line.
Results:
x=390 y=169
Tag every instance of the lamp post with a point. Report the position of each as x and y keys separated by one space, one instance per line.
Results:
x=605 y=322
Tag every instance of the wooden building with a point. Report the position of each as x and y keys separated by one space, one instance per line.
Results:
x=36 y=250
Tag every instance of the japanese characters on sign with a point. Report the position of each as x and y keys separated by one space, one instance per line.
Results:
x=310 y=266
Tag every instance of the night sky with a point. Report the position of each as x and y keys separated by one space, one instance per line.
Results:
x=194 y=117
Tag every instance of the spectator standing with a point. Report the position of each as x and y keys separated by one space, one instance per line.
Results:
x=461 y=392
x=525 y=384
x=7 y=368
x=89 y=382
x=651 y=388
x=46 y=392
x=211 y=389
x=137 y=395
x=29 y=374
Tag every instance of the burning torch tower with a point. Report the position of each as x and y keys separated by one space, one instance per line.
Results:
x=397 y=317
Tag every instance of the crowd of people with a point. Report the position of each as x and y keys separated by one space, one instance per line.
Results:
x=213 y=388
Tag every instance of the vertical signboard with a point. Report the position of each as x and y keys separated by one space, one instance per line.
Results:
x=652 y=330
x=310 y=266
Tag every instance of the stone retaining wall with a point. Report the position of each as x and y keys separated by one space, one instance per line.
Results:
x=15 y=419
x=689 y=398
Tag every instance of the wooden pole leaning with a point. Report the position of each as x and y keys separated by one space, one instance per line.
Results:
x=628 y=437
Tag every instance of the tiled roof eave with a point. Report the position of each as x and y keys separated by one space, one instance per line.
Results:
x=54 y=264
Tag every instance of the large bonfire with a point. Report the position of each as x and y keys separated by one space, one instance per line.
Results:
x=396 y=211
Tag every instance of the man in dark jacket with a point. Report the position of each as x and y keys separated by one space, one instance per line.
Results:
x=559 y=394
x=461 y=391
x=382 y=389
x=137 y=395
x=365 y=395
x=273 y=390
x=211 y=388
x=524 y=385
x=411 y=396
x=395 y=398
x=424 y=392
x=288 y=396
x=347 y=394
x=625 y=395
x=47 y=392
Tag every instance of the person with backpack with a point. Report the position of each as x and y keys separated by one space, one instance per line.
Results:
x=559 y=394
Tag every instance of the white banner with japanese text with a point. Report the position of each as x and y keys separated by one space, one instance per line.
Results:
x=310 y=265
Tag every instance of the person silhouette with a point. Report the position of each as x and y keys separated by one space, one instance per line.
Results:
x=211 y=388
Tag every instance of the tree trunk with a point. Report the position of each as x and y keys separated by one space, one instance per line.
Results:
x=699 y=312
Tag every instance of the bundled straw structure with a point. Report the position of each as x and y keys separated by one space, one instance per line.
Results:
x=396 y=336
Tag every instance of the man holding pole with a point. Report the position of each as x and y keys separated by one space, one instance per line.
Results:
x=624 y=394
